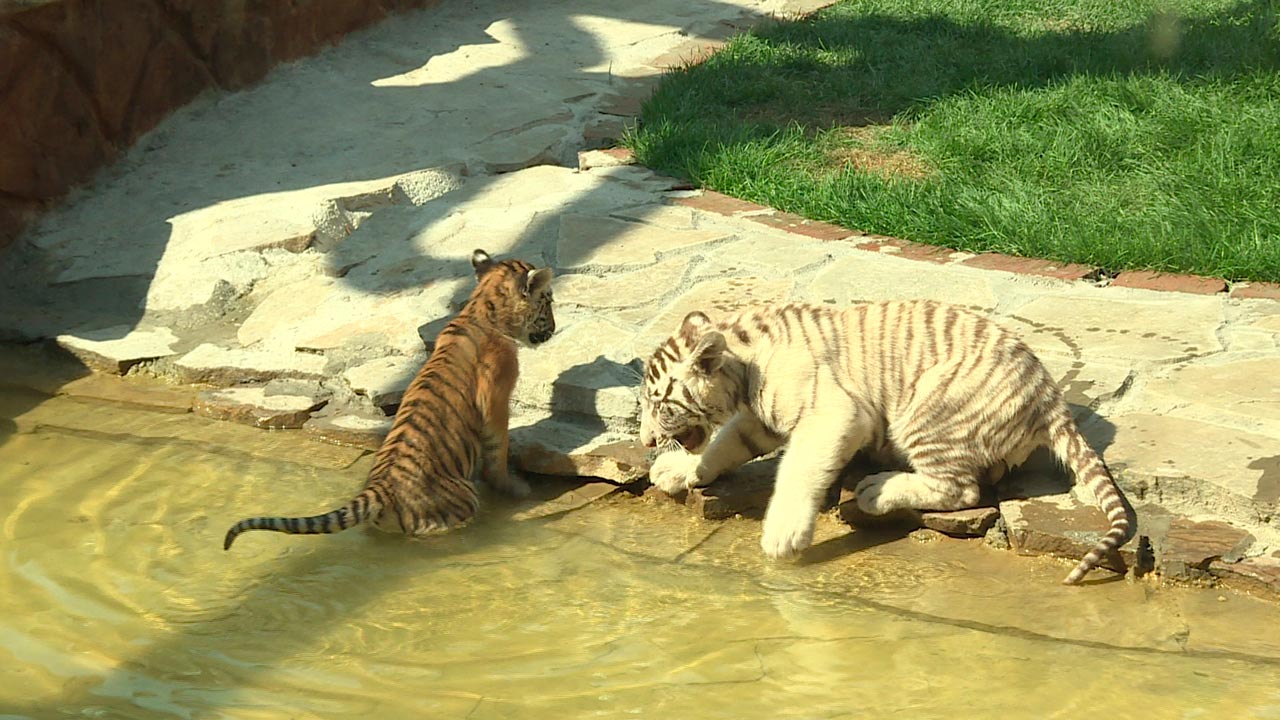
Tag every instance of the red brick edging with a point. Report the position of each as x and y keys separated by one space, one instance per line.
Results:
x=721 y=204
x=711 y=201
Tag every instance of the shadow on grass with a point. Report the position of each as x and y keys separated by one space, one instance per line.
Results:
x=842 y=68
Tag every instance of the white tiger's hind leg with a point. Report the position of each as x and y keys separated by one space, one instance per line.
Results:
x=888 y=491
x=820 y=447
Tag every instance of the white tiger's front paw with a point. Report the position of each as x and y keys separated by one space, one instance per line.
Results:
x=882 y=493
x=674 y=472
x=787 y=531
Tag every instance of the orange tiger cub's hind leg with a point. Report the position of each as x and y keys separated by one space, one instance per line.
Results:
x=447 y=503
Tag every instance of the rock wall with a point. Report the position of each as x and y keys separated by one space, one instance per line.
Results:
x=80 y=80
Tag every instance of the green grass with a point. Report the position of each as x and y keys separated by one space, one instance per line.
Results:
x=1126 y=134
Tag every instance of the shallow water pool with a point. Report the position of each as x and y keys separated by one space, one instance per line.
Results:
x=117 y=601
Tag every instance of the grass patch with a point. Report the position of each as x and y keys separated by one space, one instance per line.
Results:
x=1124 y=134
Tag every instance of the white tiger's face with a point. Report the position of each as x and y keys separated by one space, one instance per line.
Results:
x=684 y=400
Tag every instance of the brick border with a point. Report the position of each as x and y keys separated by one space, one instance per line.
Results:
x=721 y=204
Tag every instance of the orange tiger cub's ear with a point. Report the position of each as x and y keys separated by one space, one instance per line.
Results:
x=535 y=281
x=481 y=262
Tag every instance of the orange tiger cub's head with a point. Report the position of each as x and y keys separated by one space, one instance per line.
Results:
x=515 y=296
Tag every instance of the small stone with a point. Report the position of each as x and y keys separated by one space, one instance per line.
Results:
x=997 y=537
x=973 y=522
x=117 y=349
x=925 y=535
x=252 y=406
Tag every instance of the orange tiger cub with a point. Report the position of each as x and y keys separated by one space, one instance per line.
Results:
x=452 y=418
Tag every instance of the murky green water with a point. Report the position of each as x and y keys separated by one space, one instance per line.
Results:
x=116 y=600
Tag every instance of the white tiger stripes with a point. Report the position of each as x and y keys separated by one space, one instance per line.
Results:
x=956 y=396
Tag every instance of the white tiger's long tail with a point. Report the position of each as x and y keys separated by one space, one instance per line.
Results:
x=1073 y=451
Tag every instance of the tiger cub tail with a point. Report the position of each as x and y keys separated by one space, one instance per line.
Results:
x=363 y=507
x=1074 y=452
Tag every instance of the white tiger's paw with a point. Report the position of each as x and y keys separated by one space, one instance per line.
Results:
x=882 y=493
x=787 y=531
x=511 y=484
x=674 y=472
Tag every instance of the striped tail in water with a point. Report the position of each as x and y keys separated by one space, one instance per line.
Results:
x=1074 y=452
x=364 y=506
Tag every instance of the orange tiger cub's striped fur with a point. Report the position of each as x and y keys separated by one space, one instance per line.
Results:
x=960 y=398
x=453 y=416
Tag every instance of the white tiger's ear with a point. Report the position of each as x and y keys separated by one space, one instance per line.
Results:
x=481 y=262
x=708 y=354
x=536 y=280
x=692 y=326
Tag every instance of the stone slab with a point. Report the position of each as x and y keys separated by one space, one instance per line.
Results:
x=286 y=306
x=718 y=298
x=744 y=492
x=384 y=380
x=1256 y=574
x=541 y=145
x=1247 y=387
x=1061 y=526
x=867 y=277
x=253 y=406
x=216 y=365
x=592 y=241
x=1188 y=548
x=761 y=255
x=974 y=522
x=1153 y=329
x=553 y=497
x=1227 y=465
x=357 y=431
x=550 y=446
x=133 y=392
x=117 y=349
x=625 y=296
x=584 y=370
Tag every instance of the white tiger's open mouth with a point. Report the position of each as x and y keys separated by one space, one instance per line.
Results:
x=691 y=439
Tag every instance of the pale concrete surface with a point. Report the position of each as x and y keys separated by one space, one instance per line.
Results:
x=317 y=228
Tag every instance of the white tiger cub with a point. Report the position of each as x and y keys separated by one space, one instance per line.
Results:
x=955 y=395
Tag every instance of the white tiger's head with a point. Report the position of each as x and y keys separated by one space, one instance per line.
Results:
x=686 y=392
